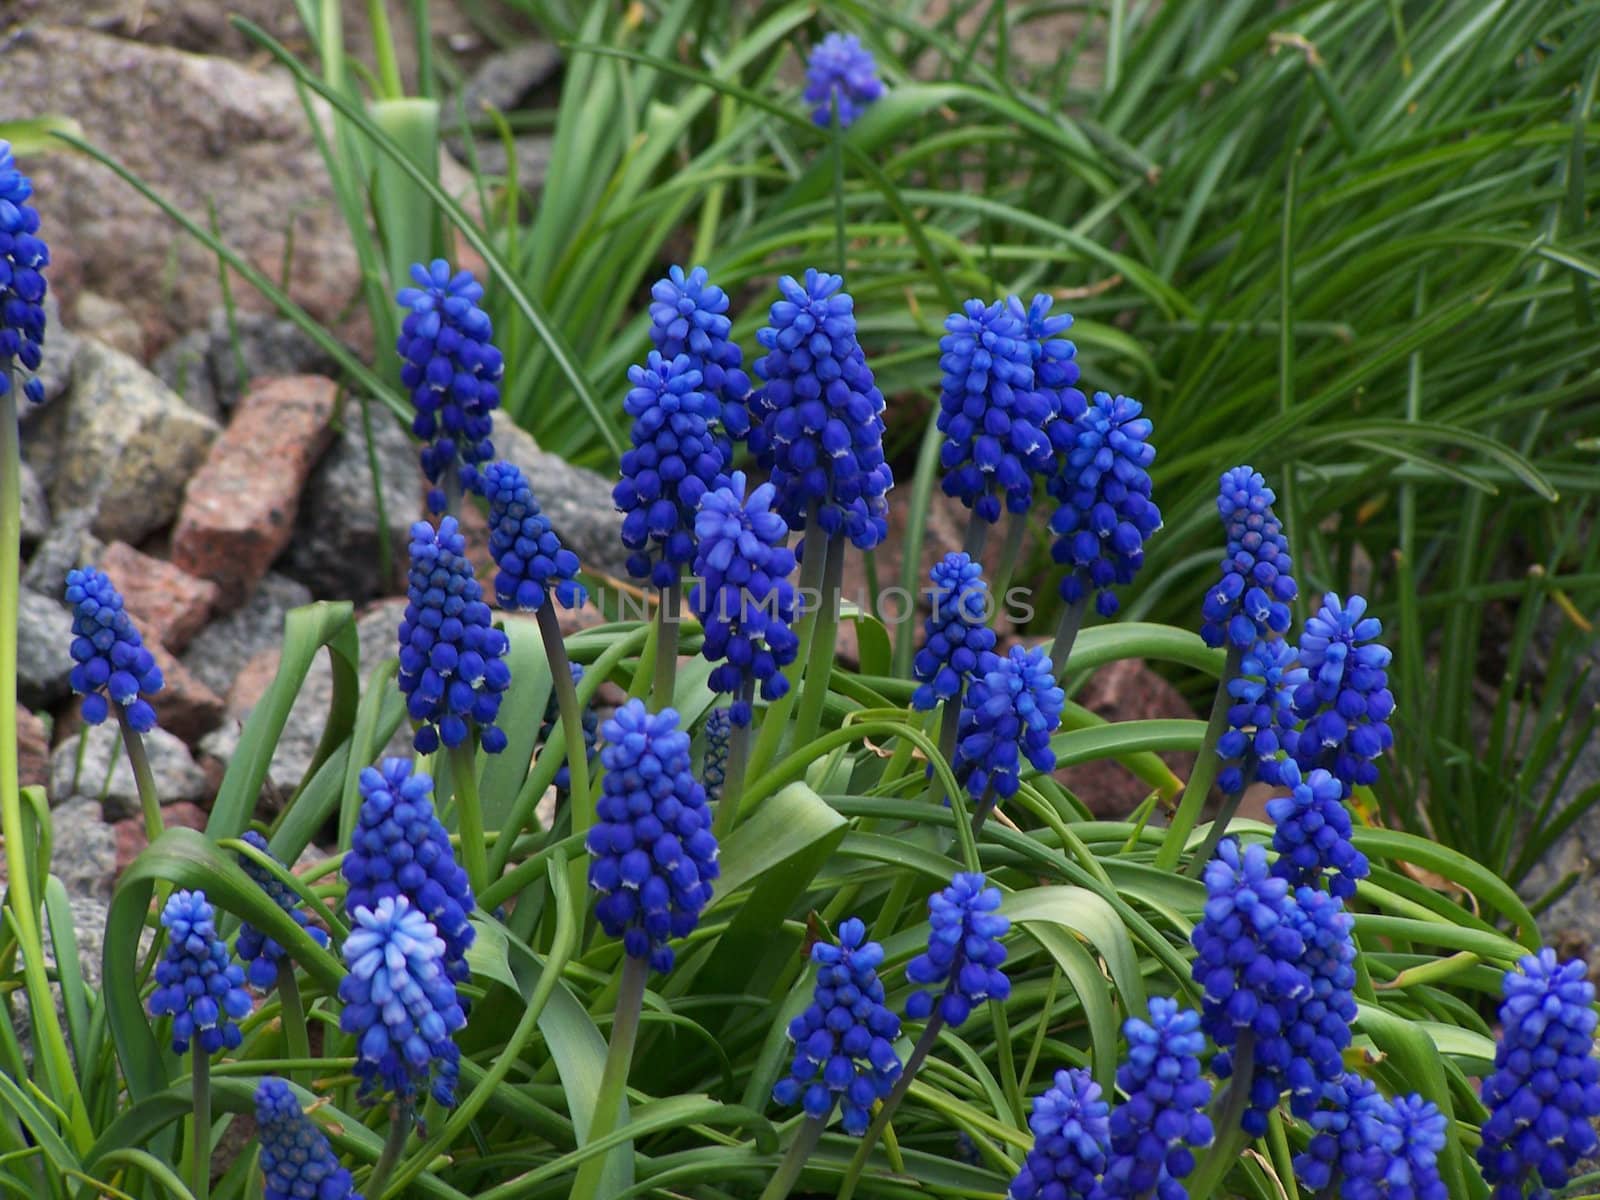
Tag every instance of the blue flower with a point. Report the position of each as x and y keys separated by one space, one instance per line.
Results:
x=1317 y=1025
x=1374 y=1148
x=1106 y=514
x=1248 y=952
x=452 y=658
x=108 y=653
x=452 y=370
x=689 y=315
x=399 y=848
x=400 y=1004
x=1544 y=1093
x=1313 y=832
x=260 y=953
x=964 y=951
x=1071 y=1135
x=652 y=853
x=1055 y=365
x=1417 y=1135
x=1008 y=714
x=552 y=715
x=1261 y=716
x=957 y=631
x=23 y=257
x=677 y=457
x=296 y=1161
x=718 y=729
x=991 y=417
x=840 y=66
x=844 y=1040
x=1251 y=600
x=197 y=985
x=1155 y=1130
x=533 y=563
x=819 y=414
x=742 y=593
x=1343 y=695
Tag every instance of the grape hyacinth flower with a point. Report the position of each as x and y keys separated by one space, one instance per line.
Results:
x=109 y=656
x=991 y=417
x=964 y=951
x=260 y=953
x=1251 y=600
x=1371 y=1147
x=957 y=631
x=400 y=1004
x=1417 y=1136
x=677 y=457
x=197 y=984
x=652 y=853
x=452 y=370
x=1544 y=1093
x=399 y=849
x=452 y=658
x=844 y=1040
x=1009 y=713
x=1317 y=1026
x=819 y=414
x=1055 y=366
x=1261 y=716
x=718 y=729
x=1071 y=1136
x=689 y=315
x=1106 y=515
x=591 y=730
x=1312 y=836
x=296 y=1161
x=23 y=257
x=1155 y=1131
x=533 y=564
x=742 y=593
x=841 y=70
x=1343 y=695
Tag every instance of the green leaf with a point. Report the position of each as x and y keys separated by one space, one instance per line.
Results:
x=529 y=695
x=1395 y=846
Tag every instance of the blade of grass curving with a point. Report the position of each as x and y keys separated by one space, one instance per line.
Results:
x=529 y=695
x=369 y=733
x=69 y=976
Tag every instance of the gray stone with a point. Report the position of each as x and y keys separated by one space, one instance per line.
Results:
x=89 y=913
x=532 y=152
x=203 y=367
x=184 y=366
x=335 y=547
x=60 y=352
x=219 y=652
x=68 y=544
x=576 y=499
x=128 y=446
x=510 y=77
x=83 y=849
x=44 y=633
x=35 y=508
x=177 y=776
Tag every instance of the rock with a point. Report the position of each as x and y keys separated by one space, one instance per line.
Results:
x=84 y=848
x=109 y=321
x=129 y=838
x=508 y=78
x=35 y=508
x=127 y=447
x=168 y=604
x=184 y=706
x=576 y=499
x=334 y=551
x=88 y=914
x=69 y=544
x=219 y=651
x=33 y=750
x=1125 y=690
x=531 y=153
x=60 y=354
x=44 y=637
x=177 y=776
x=203 y=366
x=239 y=511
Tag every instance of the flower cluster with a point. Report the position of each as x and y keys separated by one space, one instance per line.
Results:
x=1373 y=1148
x=1156 y=1129
x=591 y=730
x=844 y=1040
x=400 y=1004
x=1055 y=366
x=1261 y=716
x=718 y=731
x=23 y=257
x=1313 y=832
x=399 y=849
x=1544 y=1094
x=841 y=70
x=452 y=370
x=532 y=561
x=260 y=953
x=108 y=654
x=653 y=855
x=742 y=593
x=689 y=315
x=1009 y=713
x=819 y=415
x=296 y=1160
x=992 y=419
x=1251 y=600
x=964 y=951
x=957 y=631
x=1343 y=693
x=197 y=985
x=677 y=457
x=1106 y=514
x=1317 y=1026
x=452 y=658
x=1071 y=1134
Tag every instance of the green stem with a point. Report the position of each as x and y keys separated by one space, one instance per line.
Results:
x=733 y=773
x=1016 y=534
x=296 y=1038
x=469 y=814
x=666 y=666
x=1229 y=1109
x=823 y=635
x=614 y=1078
x=142 y=775
x=809 y=592
x=977 y=536
x=837 y=146
x=949 y=725
x=886 y=1110
x=579 y=803
x=383 y=50
x=394 y=1144
x=200 y=1151
x=1205 y=770
x=805 y=1141
x=1219 y=826
x=1066 y=634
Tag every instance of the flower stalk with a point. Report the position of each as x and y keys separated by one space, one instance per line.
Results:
x=1204 y=773
x=401 y=1114
x=819 y=665
x=469 y=814
x=143 y=777
x=788 y=1172
x=614 y=1076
